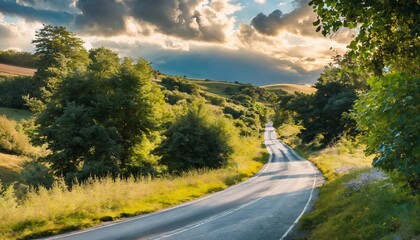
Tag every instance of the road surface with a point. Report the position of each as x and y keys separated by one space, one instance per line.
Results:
x=266 y=206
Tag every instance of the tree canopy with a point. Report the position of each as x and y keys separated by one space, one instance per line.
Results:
x=98 y=121
x=58 y=53
x=388 y=31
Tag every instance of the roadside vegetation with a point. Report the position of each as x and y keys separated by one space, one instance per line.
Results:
x=361 y=127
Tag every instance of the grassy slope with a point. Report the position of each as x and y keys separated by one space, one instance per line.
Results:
x=10 y=164
x=290 y=88
x=10 y=167
x=382 y=209
x=216 y=87
x=9 y=70
x=15 y=114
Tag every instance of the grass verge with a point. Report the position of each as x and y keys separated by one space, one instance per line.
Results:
x=353 y=204
x=57 y=210
x=383 y=209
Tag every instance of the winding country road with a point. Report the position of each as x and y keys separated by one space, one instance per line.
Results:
x=266 y=206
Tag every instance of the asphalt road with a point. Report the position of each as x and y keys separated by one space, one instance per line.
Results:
x=266 y=206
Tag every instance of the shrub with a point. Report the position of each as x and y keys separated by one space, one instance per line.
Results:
x=196 y=140
x=36 y=174
x=11 y=140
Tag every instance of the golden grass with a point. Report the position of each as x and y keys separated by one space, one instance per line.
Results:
x=290 y=88
x=10 y=167
x=337 y=161
x=9 y=70
x=52 y=211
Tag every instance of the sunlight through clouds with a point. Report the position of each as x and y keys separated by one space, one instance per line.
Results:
x=178 y=27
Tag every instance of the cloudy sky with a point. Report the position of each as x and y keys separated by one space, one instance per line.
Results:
x=250 y=41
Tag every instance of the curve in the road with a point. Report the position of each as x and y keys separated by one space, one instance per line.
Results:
x=266 y=206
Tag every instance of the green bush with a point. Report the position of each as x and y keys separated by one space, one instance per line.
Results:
x=13 y=89
x=389 y=115
x=196 y=140
x=36 y=174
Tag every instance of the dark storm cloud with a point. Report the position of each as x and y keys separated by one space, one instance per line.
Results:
x=101 y=17
x=179 y=18
x=298 y=21
x=268 y=25
x=30 y=13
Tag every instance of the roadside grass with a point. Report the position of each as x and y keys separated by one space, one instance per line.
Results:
x=383 y=209
x=15 y=114
x=337 y=160
x=46 y=212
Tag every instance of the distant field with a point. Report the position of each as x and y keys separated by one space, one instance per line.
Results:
x=216 y=87
x=15 y=114
x=290 y=88
x=9 y=70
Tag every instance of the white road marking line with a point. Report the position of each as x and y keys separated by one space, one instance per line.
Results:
x=306 y=206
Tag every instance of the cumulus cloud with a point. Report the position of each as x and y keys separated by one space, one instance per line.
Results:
x=187 y=19
x=17 y=35
x=298 y=21
x=198 y=20
x=260 y=1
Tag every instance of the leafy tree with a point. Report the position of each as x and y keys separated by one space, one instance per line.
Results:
x=104 y=62
x=325 y=112
x=58 y=53
x=347 y=71
x=196 y=140
x=388 y=30
x=12 y=91
x=390 y=117
x=93 y=125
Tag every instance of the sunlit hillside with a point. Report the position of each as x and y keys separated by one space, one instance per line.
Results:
x=290 y=88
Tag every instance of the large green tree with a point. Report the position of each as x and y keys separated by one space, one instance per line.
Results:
x=388 y=30
x=58 y=53
x=92 y=125
x=390 y=116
